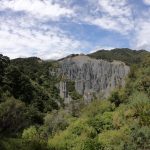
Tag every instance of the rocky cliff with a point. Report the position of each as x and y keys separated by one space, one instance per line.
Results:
x=92 y=77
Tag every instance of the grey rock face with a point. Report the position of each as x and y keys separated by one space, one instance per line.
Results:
x=92 y=76
x=64 y=93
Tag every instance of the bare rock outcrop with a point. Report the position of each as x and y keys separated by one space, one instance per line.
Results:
x=93 y=77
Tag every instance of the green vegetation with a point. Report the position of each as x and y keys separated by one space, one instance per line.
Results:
x=33 y=117
x=27 y=93
x=126 y=55
x=72 y=92
x=120 y=123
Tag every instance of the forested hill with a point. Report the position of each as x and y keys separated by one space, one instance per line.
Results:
x=27 y=91
x=33 y=115
x=122 y=54
x=122 y=122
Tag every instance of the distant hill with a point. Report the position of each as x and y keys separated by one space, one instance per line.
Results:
x=122 y=54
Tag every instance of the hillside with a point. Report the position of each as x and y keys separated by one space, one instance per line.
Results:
x=122 y=54
x=120 y=123
x=34 y=115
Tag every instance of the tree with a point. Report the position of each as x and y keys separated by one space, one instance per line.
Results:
x=20 y=85
x=12 y=116
x=114 y=98
x=4 y=62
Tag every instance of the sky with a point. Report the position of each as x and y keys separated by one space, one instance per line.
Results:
x=52 y=29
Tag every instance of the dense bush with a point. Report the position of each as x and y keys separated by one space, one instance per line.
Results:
x=13 y=117
x=30 y=106
x=21 y=144
x=122 y=123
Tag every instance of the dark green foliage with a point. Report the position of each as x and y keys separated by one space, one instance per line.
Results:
x=141 y=137
x=20 y=85
x=30 y=102
x=21 y=144
x=17 y=80
x=92 y=144
x=27 y=91
x=39 y=72
x=34 y=115
x=125 y=55
x=140 y=104
x=144 y=84
x=4 y=62
x=29 y=66
x=122 y=123
x=54 y=122
x=37 y=69
x=24 y=100
x=101 y=122
x=77 y=103
x=72 y=92
x=13 y=117
x=114 y=98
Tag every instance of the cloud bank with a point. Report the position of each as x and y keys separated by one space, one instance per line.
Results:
x=37 y=27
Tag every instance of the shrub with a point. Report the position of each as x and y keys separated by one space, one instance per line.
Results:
x=101 y=122
x=12 y=116
x=141 y=106
x=30 y=133
x=115 y=139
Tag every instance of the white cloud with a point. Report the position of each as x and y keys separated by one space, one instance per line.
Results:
x=117 y=15
x=141 y=38
x=33 y=27
x=44 y=9
x=113 y=15
x=147 y=2
x=121 y=25
x=49 y=44
x=28 y=35
x=141 y=33
x=115 y=7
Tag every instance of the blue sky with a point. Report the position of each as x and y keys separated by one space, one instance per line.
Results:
x=51 y=29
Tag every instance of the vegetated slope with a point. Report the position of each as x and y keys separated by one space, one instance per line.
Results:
x=122 y=122
x=122 y=54
x=27 y=91
x=39 y=73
